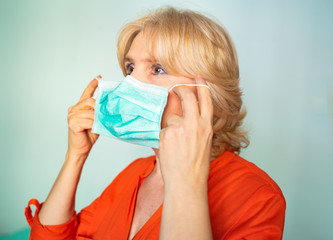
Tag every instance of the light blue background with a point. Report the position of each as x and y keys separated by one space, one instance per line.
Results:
x=50 y=50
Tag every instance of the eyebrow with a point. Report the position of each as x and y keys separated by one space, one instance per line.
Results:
x=129 y=59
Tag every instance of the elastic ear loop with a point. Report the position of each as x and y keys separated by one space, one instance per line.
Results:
x=200 y=85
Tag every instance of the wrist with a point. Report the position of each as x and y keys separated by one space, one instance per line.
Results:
x=181 y=188
x=75 y=157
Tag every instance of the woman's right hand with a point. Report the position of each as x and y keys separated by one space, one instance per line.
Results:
x=80 y=121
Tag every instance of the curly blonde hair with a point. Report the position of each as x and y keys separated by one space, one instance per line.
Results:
x=188 y=43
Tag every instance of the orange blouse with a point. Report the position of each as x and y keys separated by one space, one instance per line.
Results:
x=244 y=203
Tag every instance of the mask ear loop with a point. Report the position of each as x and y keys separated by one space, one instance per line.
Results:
x=201 y=85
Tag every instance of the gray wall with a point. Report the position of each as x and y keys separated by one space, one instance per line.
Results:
x=50 y=50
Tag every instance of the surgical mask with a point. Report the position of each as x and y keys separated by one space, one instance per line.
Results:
x=131 y=110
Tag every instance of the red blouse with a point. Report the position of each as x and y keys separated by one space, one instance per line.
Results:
x=244 y=203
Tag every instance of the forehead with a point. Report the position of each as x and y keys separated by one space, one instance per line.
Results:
x=139 y=50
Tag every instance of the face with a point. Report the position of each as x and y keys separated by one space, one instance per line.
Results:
x=139 y=65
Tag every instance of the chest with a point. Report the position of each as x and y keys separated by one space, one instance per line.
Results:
x=149 y=198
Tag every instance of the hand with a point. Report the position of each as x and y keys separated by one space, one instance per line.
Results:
x=185 y=143
x=80 y=120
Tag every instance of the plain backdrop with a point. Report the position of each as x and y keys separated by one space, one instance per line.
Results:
x=50 y=50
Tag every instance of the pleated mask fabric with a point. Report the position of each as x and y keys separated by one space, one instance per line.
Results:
x=130 y=111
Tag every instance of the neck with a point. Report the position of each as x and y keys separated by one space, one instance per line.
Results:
x=157 y=169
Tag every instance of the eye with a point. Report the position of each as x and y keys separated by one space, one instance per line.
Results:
x=129 y=68
x=158 y=70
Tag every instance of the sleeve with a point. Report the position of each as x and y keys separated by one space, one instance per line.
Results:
x=65 y=231
x=81 y=224
x=262 y=217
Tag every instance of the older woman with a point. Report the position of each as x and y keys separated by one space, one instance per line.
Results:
x=181 y=97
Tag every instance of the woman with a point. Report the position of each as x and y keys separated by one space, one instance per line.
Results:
x=195 y=187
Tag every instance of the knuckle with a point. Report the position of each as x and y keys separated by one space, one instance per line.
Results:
x=166 y=134
x=163 y=137
x=73 y=125
x=90 y=100
x=69 y=116
x=169 y=134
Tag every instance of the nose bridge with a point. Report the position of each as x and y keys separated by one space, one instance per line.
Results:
x=141 y=73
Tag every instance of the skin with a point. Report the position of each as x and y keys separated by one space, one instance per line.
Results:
x=182 y=158
x=141 y=67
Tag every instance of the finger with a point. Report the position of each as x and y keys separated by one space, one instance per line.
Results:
x=205 y=99
x=172 y=119
x=188 y=100
x=86 y=124
x=88 y=103
x=79 y=125
x=82 y=114
x=90 y=89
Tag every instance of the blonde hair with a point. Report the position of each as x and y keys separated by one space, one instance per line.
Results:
x=187 y=43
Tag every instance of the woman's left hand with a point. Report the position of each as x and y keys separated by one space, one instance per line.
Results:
x=185 y=143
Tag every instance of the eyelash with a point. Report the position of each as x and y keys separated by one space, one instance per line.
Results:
x=159 y=67
x=130 y=66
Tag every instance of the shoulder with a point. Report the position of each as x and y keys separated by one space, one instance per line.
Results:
x=231 y=169
x=242 y=195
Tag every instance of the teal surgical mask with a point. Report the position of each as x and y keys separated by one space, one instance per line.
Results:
x=131 y=110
